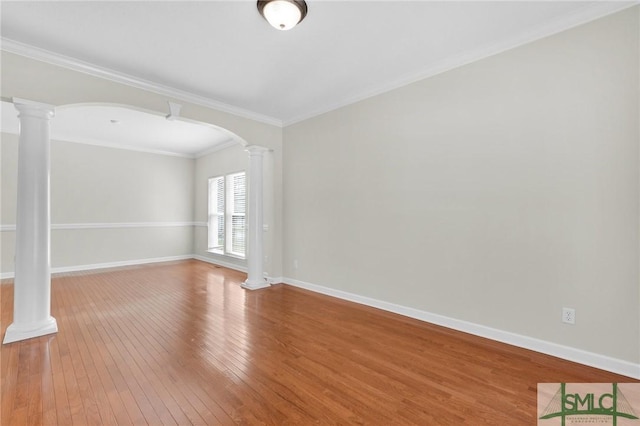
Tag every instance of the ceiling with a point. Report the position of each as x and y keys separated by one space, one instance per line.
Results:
x=126 y=128
x=223 y=53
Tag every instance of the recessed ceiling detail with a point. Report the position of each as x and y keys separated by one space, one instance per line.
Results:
x=121 y=127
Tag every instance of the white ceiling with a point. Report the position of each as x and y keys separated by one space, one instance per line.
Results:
x=224 y=53
x=119 y=127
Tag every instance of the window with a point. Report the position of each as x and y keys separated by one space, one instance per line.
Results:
x=227 y=207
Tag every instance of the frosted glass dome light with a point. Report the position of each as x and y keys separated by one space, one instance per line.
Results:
x=283 y=14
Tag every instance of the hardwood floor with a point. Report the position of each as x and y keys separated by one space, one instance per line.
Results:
x=182 y=343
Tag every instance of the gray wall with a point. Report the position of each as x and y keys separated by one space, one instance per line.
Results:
x=101 y=195
x=495 y=193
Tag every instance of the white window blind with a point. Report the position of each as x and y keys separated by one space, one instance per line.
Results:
x=236 y=214
x=216 y=214
x=227 y=209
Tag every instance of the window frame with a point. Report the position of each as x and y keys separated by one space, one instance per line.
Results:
x=224 y=236
x=218 y=240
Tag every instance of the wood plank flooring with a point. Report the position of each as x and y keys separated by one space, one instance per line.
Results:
x=181 y=343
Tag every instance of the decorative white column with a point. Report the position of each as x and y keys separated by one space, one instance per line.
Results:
x=32 y=283
x=255 y=255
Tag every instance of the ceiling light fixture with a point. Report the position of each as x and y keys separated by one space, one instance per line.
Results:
x=283 y=14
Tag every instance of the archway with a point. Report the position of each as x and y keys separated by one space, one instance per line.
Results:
x=35 y=134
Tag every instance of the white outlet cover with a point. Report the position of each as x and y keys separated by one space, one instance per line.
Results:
x=568 y=315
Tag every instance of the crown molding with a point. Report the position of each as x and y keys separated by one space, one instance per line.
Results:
x=583 y=16
x=68 y=62
x=217 y=147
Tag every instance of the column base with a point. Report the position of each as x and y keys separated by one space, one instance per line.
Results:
x=255 y=285
x=16 y=332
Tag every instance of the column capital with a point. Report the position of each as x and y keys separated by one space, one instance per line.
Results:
x=256 y=150
x=33 y=108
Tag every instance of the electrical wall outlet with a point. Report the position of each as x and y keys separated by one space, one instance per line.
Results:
x=295 y=264
x=568 y=315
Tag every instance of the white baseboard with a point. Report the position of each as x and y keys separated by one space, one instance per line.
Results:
x=120 y=263
x=89 y=267
x=75 y=268
x=240 y=268
x=603 y=362
x=591 y=359
x=114 y=225
x=218 y=262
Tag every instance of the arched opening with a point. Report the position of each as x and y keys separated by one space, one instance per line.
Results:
x=138 y=128
x=123 y=186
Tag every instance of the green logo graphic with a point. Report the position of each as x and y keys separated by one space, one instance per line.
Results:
x=612 y=404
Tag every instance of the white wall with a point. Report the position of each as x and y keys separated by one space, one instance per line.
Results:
x=112 y=201
x=495 y=193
